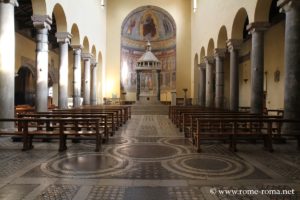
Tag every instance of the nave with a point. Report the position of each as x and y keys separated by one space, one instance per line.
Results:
x=148 y=158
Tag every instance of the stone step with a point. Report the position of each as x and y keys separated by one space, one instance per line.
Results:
x=149 y=109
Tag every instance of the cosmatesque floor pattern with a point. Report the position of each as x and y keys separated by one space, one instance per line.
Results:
x=148 y=158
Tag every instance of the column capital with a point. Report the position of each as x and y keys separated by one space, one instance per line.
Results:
x=76 y=47
x=234 y=44
x=287 y=5
x=257 y=26
x=41 y=21
x=86 y=56
x=63 y=37
x=13 y=2
x=94 y=62
x=220 y=52
x=202 y=66
x=209 y=59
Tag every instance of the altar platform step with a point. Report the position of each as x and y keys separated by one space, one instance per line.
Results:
x=149 y=109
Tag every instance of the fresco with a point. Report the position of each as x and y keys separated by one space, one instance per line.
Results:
x=156 y=25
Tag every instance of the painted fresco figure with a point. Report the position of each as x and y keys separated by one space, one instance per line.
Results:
x=149 y=27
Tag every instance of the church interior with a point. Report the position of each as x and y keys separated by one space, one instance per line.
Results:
x=149 y=99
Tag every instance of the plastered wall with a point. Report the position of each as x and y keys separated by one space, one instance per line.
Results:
x=26 y=56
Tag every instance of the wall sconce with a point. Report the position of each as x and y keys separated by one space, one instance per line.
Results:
x=102 y=4
x=195 y=6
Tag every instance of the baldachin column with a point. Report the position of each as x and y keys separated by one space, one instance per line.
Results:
x=158 y=84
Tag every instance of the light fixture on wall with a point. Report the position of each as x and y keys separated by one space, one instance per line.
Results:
x=195 y=6
x=102 y=4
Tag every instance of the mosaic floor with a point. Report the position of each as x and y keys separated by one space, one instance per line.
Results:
x=148 y=159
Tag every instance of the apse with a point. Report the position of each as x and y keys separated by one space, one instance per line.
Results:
x=148 y=23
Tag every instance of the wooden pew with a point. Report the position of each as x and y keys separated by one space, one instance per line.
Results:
x=121 y=114
x=126 y=110
x=113 y=120
x=183 y=119
x=232 y=129
x=103 y=120
x=188 y=121
x=59 y=131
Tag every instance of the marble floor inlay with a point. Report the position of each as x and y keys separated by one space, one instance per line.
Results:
x=148 y=158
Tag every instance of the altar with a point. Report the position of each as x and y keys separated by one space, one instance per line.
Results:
x=148 y=78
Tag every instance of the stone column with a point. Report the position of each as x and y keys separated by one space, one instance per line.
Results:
x=202 y=84
x=158 y=85
x=7 y=61
x=292 y=63
x=94 y=82
x=77 y=75
x=42 y=24
x=63 y=39
x=87 y=78
x=233 y=47
x=257 y=66
x=209 y=61
x=219 y=56
x=138 y=85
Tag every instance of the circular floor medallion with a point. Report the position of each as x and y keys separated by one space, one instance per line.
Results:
x=150 y=152
x=85 y=165
x=204 y=166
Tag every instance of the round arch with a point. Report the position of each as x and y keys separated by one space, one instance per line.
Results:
x=94 y=52
x=25 y=86
x=238 y=24
x=39 y=7
x=86 y=45
x=202 y=55
x=75 y=35
x=210 y=47
x=222 y=38
x=262 y=10
x=60 y=17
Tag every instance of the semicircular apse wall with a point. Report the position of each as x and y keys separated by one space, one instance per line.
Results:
x=148 y=23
